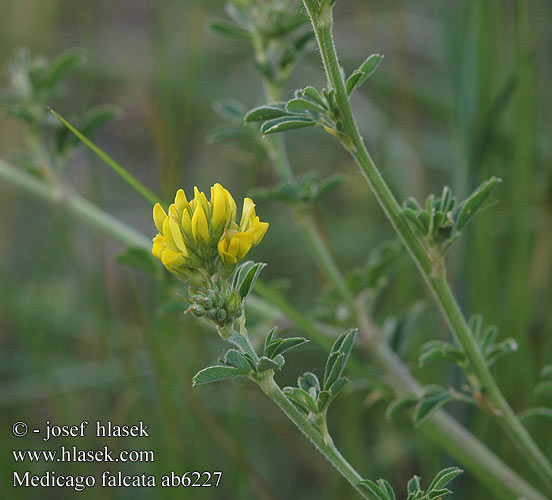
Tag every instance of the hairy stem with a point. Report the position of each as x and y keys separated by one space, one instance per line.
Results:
x=323 y=445
x=322 y=22
x=442 y=428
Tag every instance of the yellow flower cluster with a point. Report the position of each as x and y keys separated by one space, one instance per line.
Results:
x=198 y=234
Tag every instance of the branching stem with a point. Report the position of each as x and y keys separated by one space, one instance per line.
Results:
x=321 y=18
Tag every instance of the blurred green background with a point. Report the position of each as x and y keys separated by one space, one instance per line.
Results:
x=463 y=94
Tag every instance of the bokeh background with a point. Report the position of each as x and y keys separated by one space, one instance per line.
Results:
x=463 y=94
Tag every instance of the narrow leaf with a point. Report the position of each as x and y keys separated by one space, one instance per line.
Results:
x=444 y=477
x=249 y=279
x=236 y=359
x=285 y=124
x=467 y=209
x=287 y=344
x=360 y=75
x=118 y=168
x=217 y=373
x=296 y=105
x=267 y=112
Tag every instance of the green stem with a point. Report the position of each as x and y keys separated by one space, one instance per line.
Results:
x=324 y=446
x=74 y=204
x=442 y=428
x=430 y=268
x=322 y=254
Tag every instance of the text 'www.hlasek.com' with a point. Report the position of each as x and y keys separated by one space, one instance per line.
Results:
x=109 y=477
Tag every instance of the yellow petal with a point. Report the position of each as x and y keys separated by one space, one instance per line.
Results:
x=177 y=236
x=227 y=259
x=220 y=209
x=232 y=204
x=159 y=216
x=239 y=245
x=169 y=241
x=158 y=246
x=200 y=229
x=187 y=223
x=172 y=259
x=248 y=213
x=180 y=201
x=258 y=229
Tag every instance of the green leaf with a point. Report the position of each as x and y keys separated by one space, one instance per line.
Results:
x=285 y=124
x=338 y=357
x=298 y=105
x=308 y=381
x=433 y=495
x=287 y=344
x=411 y=215
x=270 y=337
x=329 y=184
x=313 y=95
x=227 y=133
x=115 y=166
x=64 y=64
x=301 y=396
x=467 y=209
x=437 y=349
x=228 y=30
x=139 y=258
x=249 y=279
x=443 y=478
x=414 y=485
x=430 y=403
x=267 y=112
x=231 y=109
x=498 y=350
x=546 y=371
x=544 y=388
x=360 y=75
x=332 y=392
x=96 y=117
x=270 y=364
x=535 y=412
x=217 y=373
x=401 y=404
x=237 y=360
x=385 y=486
x=373 y=489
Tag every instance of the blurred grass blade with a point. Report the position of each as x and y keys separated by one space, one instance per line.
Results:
x=117 y=167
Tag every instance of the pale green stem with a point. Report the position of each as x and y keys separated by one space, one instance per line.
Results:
x=324 y=446
x=322 y=254
x=445 y=430
x=431 y=268
x=74 y=204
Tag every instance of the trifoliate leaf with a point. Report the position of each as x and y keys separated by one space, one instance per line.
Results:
x=428 y=404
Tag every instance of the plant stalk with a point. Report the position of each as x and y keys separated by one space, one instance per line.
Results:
x=432 y=270
x=442 y=428
x=324 y=446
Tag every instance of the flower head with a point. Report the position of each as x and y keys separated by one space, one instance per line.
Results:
x=202 y=236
